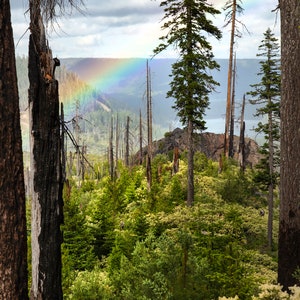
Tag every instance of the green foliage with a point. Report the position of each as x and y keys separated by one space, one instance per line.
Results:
x=77 y=247
x=205 y=166
x=185 y=22
x=274 y=292
x=150 y=245
x=237 y=187
x=90 y=285
x=266 y=94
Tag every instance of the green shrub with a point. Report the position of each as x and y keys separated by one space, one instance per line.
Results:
x=91 y=285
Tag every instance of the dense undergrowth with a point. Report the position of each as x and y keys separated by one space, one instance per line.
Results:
x=122 y=241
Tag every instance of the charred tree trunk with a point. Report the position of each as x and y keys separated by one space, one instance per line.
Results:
x=82 y=161
x=141 y=140
x=190 y=190
x=77 y=141
x=271 y=183
x=62 y=142
x=289 y=226
x=47 y=203
x=175 y=160
x=149 y=127
x=190 y=125
x=13 y=235
x=231 y=133
x=117 y=141
x=241 y=157
x=111 y=150
x=229 y=80
x=127 y=142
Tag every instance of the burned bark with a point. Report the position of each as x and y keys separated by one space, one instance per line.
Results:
x=127 y=142
x=47 y=202
x=13 y=237
x=241 y=151
x=289 y=226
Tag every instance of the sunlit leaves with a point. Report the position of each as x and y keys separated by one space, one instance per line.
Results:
x=154 y=247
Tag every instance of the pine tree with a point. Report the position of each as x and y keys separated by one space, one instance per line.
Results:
x=185 y=21
x=266 y=94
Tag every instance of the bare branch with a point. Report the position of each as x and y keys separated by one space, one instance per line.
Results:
x=53 y=9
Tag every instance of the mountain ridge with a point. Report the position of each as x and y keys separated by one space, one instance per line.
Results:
x=116 y=86
x=128 y=88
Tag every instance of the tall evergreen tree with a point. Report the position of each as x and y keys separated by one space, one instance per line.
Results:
x=13 y=235
x=185 y=22
x=266 y=94
x=289 y=225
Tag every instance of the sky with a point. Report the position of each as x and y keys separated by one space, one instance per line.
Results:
x=131 y=28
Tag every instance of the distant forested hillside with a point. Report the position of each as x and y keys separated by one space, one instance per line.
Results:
x=85 y=105
x=123 y=81
x=98 y=89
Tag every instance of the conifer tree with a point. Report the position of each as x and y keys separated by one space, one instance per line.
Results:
x=185 y=22
x=266 y=94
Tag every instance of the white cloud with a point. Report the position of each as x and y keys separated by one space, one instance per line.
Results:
x=131 y=28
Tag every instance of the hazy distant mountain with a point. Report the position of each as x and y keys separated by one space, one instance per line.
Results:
x=106 y=87
x=123 y=82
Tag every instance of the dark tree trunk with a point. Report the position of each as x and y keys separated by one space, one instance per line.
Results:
x=111 y=150
x=77 y=141
x=271 y=183
x=141 y=141
x=13 y=236
x=229 y=80
x=190 y=125
x=190 y=191
x=63 y=150
x=175 y=160
x=149 y=129
x=117 y=141
x=241 y=151
x=289 y=226
x=232 y=107
x=127 y=142
x=47 y=215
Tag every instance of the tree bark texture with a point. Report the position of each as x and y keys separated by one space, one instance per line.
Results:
x=289 y=227
x=271 y=173
x=13 y=236
x=190 y=178
x=241 y=151
x=127 y=142
x=232 y=108
x=149 y=128
x=45 y=164
x=190 y=125
x=111 y=150
x=229 y=81
x=141 y=140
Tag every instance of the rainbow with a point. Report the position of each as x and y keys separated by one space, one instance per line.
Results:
x=105 y=76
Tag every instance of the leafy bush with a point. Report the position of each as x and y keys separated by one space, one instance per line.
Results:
x=90 y=285
x=155 y=247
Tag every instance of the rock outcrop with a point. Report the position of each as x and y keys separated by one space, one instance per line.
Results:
x=211 y=144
